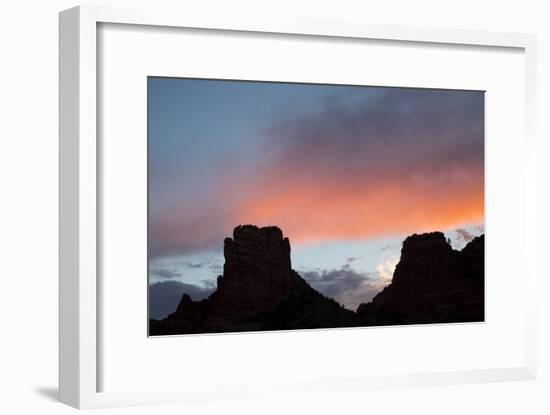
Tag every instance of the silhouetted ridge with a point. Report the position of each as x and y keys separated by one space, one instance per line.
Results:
x=259 y=290
x=432 y=283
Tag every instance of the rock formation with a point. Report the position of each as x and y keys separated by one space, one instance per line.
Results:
x=259 y=290
x=432 y=283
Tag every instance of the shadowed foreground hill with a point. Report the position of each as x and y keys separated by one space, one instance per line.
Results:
x=432 y=283
x=259 y=290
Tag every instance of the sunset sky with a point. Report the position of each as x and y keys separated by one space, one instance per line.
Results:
x=346 y=172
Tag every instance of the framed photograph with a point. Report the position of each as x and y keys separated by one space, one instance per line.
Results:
x=253 y=209
x=361 y=179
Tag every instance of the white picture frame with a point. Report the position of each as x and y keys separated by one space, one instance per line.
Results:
x=78 y=312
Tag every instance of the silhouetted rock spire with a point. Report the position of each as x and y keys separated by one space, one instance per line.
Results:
x=257 y=291
x=432 y=283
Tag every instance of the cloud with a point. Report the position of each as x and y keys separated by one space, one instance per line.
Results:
x=386 y=269
x=353 y=259
x=164 y=296
x=193 y=265
x=464 y=235
x=412 y=162
x=407 y=160
x=164 y=273
x=480 y=229
x=183 y=227
x=347 y=286
x=209 y=285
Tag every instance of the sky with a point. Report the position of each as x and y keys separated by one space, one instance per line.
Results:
x=347 y=172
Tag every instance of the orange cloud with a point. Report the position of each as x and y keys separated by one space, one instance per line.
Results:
x=331 y=211
x=412 y=161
